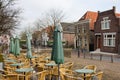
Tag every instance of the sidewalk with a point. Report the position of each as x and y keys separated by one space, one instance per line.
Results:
x=97 y=51
x=98 y=55
x=110 y=57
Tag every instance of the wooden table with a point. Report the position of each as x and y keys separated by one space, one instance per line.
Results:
x=50 y=68
x=24 y=70
x=84 y=71
x=17 y=64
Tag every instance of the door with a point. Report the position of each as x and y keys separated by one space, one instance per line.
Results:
x=98 y=42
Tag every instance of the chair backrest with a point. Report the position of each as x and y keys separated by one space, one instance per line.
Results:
x=99 y=75
x=39 y=68
x=96 y=76
x=41 y=75
x=2 y=77
x=66 y=71
x=68 y=65
x=12 y=77
x=68 y=75
x=92 y=67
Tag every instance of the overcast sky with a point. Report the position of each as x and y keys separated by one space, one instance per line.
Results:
x=73 y=9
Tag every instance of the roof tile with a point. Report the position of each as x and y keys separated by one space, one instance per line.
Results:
x=90 y=15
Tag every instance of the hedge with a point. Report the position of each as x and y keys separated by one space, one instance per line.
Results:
x=50 y=43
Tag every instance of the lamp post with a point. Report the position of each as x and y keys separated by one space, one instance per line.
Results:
x=78 y=47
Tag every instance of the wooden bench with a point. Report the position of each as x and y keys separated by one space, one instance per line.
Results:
x=103 y=53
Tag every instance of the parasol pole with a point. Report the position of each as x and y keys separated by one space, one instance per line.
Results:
x=58 y=72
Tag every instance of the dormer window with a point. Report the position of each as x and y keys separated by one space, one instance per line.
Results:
x=105 y=24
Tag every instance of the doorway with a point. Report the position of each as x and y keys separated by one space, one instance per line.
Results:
x=98 y=41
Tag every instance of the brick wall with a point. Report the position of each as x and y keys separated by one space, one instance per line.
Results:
x=69 y=38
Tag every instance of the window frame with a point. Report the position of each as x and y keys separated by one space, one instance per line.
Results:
x=105 y=23
x=109 y=39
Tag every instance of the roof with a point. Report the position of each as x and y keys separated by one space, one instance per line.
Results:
x=68 y=27
x=49 y=29
x=90 y=15
x=117 y=14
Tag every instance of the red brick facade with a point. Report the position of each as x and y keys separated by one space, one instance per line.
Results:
x=69 y=38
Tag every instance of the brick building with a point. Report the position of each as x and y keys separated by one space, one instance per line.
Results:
x=107 y=31
x=84 y=31
x=68 y=33
x=82 y=34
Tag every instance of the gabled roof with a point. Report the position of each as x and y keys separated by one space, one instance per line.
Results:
x=90 y=15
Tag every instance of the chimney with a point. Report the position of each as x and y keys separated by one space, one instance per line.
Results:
x=98 y=12
x=114 y=8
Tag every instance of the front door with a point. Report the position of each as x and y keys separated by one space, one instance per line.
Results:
x=98 y=42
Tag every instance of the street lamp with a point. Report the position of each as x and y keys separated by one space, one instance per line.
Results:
x=78 y=47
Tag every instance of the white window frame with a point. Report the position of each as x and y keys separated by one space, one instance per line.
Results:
x=105 y=24
x=109 y=41
x=83 y=29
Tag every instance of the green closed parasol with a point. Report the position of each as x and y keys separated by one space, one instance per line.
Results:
x=17 y=47
x=57 y=49
x=29 y=53
x=12 y=45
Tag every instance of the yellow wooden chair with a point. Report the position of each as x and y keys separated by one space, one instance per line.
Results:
x=68 y=75
x=41 y=75
x=2 y=77
x=25 y=76
x=12 y=77
x=66 y=71
x=92 y=67
x=39 y=68
x=97 y=76
x=68 y=65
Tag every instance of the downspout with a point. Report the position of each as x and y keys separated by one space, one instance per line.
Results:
x=118 y=35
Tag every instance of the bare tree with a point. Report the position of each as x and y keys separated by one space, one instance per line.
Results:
x=23 y=35
x=39 y=24
x=9 y=16
x=49 y=19
x=54 y=16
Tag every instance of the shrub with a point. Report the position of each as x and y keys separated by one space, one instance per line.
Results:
x=50 y=43
x=67 y=52
x=23 y=44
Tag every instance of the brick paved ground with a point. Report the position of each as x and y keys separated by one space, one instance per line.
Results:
x=111 y=70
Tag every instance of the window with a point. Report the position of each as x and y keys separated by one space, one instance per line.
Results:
x=77 y=29
x=109 y=39
x=79 y=41
x=105 y=24
x=85 y=41
x=83 y=29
